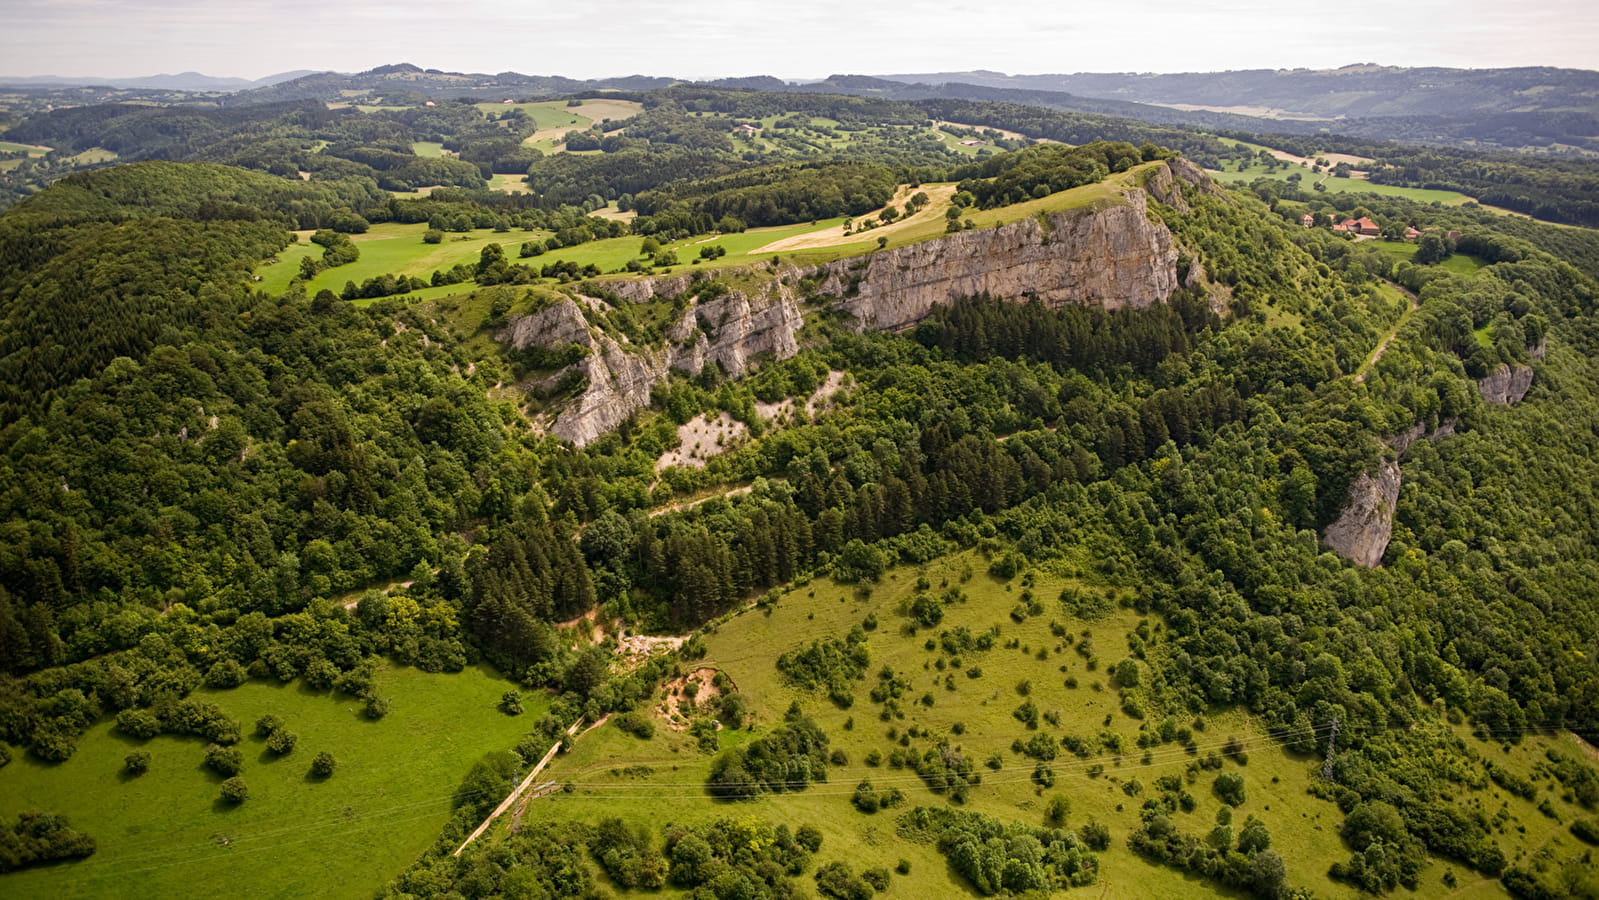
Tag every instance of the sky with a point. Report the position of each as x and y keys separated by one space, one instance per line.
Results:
x=799 y=39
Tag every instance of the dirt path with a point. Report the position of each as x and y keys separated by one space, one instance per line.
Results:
x=938 y=201
x=1382 y=345
x=527 y=782
x=680 y=505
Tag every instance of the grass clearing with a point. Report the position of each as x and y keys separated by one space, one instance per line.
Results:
x=661 y=780
x=1459 y=263
x=92 y=156
x=514 y=183
x=554 y=118
x=167 y=834
x=427 y=148
x=34 y=151
x=938 y=196
x=389 y=248
x=974 y=714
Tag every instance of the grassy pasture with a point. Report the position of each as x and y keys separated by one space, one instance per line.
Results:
x=746 y=646
x=167 y=834
x=388 y=248
x=392 y=248
x=427 y=148
x=33 y=150
x=661 y=780
x=554 y=118
x=509 y=183
x=1459 y=263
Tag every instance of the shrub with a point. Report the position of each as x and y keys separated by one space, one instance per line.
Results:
x=138 y=723
x=323 y=765
x=136 y=763
x=1229 y=788
x=282 y=741
x=639 y=726
x=511 y=702
x=223 y=760
x=234 y=790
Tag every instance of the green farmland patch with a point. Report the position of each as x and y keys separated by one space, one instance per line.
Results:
x=167 y=834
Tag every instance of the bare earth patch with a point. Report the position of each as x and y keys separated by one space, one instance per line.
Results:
x=702 y=438
x=677 y=696
x=818 y=401
x=937 y=195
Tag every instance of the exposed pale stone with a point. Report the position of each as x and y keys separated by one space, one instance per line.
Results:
x=1507 y=384
x=1362 y=531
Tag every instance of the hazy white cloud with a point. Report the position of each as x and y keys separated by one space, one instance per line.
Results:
x=809 y=38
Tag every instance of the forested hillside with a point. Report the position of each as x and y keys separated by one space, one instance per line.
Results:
x=1025 y=598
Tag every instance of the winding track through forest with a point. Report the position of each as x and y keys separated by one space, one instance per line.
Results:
x=1382 y=345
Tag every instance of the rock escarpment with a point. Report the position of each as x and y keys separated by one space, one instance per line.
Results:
x=1112 y=257
x=1506 y=384
x=1362 y=532
x=732 y=330
x=1402 y=441
x=1113 y=254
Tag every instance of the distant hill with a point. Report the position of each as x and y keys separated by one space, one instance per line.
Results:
x=184 y=81
x=1487 y=108
x=407 y=80
x=1358 y=91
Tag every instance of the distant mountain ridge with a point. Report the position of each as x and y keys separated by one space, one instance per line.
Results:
x=407 y=80
x=183 y=81
x=1357 y=91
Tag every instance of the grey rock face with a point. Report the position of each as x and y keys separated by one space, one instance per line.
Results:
x=1506 y=384
x=732 y=330
x=1362 y=532
x=1114 y=257
x=1402 y=441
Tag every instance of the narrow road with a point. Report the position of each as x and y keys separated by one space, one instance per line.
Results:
x=526 y=783
x=1382 y=345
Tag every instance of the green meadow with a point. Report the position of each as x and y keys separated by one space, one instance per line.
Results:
x=398 y=249
x=167 y=833
x=33 y=150
x=390 y=248
x=1060 y=660
x=1459 y=263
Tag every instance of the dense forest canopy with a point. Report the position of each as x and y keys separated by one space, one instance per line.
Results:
x=210 y=484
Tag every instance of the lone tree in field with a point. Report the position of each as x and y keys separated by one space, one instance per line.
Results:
x=137 y=762
x=282 y=741
x=234 y=790
x=323 y=765
x=511 y=703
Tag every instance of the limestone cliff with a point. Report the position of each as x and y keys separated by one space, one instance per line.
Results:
x=1506 y=384
x=1111 y=257
x=1402 y=441
x=1114 y=254
x=732 y=330
x=1361 y=533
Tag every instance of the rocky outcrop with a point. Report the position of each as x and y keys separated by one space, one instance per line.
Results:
x=1113 y=254
x=731 y=330
x=1367 y=522
x=1402 y=441
x=1506 y=384
x=1112 y=257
